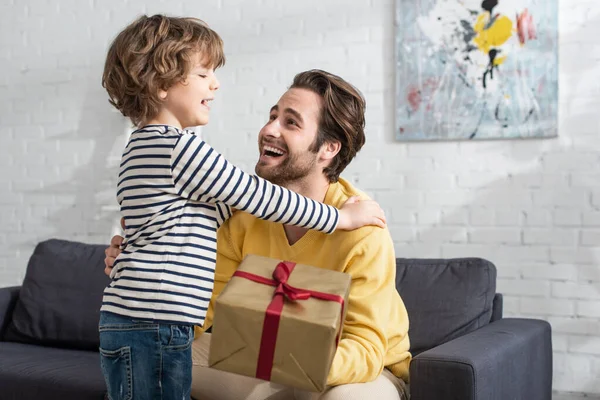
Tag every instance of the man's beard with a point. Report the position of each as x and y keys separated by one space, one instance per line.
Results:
x=292 y=169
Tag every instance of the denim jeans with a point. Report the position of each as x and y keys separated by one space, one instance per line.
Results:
x=145 y=360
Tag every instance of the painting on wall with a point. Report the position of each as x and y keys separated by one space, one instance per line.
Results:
x=476 y=69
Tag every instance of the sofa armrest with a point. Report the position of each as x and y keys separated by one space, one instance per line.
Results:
x=8 y=300
x=497 y=307
x=507 y=359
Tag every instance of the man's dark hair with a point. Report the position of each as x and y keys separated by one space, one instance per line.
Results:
x=342 y=117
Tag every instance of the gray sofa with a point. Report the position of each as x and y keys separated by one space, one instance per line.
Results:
x=463 y=347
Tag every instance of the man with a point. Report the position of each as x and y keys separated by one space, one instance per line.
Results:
x=314 y=131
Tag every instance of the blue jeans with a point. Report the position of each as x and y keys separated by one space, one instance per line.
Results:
x=145 y=360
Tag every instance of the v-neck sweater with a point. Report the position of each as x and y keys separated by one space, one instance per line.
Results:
x=375 y=333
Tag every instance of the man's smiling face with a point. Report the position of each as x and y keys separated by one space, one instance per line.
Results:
x=286 y=141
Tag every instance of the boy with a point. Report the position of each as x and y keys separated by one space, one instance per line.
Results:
x=175 y=191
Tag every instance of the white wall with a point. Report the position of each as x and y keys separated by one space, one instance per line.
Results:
x=531 y=207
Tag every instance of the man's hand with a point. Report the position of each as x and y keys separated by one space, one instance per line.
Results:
x=356 y=213
x=111 y=253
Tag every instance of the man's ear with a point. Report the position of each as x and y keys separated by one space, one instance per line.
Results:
x=329 y=150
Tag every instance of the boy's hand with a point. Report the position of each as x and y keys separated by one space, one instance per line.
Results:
x=356 y=213
x=112 y=252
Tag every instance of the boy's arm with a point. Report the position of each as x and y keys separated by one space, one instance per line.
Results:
x=201 y=173
x=363 y=345
x=224 y=212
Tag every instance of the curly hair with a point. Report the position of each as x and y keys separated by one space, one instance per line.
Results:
x=152 y=54
x=342 y=117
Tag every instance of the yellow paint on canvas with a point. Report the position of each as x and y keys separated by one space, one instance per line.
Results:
x=494 y=36
x=499 y=60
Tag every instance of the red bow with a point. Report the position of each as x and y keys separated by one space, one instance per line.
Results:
x=283 y=290
x=281 y=274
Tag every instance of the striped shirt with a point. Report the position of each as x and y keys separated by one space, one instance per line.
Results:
x=175 y=191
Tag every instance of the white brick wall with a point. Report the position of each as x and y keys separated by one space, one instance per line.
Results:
x=532 y=207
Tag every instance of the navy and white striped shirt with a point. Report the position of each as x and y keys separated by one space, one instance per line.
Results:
x=175 y=191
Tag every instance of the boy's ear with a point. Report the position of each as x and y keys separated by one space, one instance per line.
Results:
x=329 y=150
x=162 y=94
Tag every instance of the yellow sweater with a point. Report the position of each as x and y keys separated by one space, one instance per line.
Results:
x=375 y=333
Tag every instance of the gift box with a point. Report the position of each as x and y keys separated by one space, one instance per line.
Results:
x=279 y=321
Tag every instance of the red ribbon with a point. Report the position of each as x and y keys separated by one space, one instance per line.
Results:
x=273 y=314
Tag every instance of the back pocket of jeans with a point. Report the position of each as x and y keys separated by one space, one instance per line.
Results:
x=116 y=367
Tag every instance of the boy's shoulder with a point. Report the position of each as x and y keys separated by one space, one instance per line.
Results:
x=159 y=136
x=151 y=134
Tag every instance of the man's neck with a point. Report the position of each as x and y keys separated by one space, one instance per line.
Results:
x=314 y=189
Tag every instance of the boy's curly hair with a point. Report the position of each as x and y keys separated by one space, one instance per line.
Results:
x=152 y=54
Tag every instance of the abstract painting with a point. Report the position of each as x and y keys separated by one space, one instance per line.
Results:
x=476 y=69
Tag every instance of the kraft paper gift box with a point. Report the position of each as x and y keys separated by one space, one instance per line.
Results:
x=279 y=321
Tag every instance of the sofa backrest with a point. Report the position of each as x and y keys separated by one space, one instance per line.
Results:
x=59 y=301
x=60 y=298
x=445 y=299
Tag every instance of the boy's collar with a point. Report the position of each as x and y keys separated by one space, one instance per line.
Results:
x=165 y=126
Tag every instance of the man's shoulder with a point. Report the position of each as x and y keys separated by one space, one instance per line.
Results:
x=341 y=191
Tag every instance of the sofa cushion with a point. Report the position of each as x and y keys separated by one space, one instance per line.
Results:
x=59 y=302
x=445 y=299
x=35 y=372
